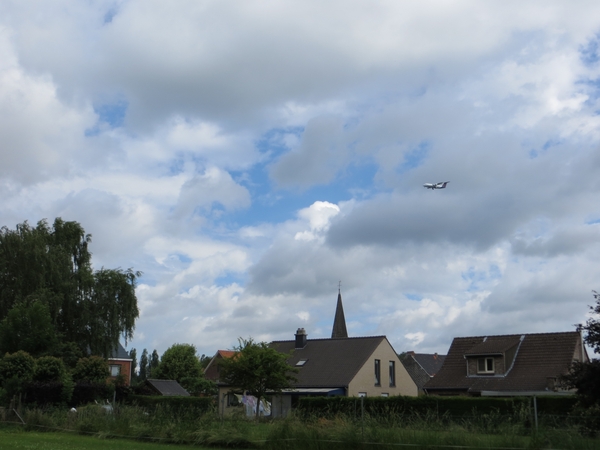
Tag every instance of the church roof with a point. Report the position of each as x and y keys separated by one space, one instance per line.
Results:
x=339 y=322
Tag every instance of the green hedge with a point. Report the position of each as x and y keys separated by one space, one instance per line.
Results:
x=455 y=407
x=194 y=405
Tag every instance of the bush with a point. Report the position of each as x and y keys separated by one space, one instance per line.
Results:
x=92 y=369
x=194 y=405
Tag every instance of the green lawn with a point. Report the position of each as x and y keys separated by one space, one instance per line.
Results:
x=10 y=440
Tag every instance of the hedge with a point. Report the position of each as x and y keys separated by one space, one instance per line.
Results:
x=455 y=407
x=195 y=405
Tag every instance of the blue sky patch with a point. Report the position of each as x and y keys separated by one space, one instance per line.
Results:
x=112 y=113
x=589 y=53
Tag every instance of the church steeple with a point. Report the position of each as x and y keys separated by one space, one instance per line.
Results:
x=339 y=323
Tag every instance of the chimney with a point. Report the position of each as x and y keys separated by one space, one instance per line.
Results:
x=300 y=338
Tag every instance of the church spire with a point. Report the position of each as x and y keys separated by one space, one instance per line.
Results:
x=339 y=323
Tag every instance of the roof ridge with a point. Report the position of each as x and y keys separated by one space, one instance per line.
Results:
x=335 y=339
x=516 y=334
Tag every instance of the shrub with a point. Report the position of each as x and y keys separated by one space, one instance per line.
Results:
x=92 y=369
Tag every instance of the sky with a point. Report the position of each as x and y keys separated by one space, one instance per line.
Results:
x=248 y=157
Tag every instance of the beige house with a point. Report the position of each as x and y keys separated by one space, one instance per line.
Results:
x=338 y=366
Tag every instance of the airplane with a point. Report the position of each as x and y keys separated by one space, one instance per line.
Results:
x=440 y=185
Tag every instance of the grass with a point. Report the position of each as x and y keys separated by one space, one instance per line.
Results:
x=9 y=439
x=91 y=427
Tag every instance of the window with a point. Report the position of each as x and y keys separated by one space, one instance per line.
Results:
x=385 y=394
x=232 y=399
x=362 y=394
x=485 y=365
x=392 y=373
x=301 y=362
x=115 y=370
x=377 y=372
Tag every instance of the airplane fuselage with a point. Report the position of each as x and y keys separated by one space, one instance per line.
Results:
x=440 y=185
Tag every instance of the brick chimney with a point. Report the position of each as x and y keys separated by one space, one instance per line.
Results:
x=300 y=338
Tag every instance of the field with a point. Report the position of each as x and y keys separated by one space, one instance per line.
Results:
x=14 y=440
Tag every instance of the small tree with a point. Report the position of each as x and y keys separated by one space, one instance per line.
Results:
x=144 y=365
x=258 y=369
x=133 y=356
x=154 y=362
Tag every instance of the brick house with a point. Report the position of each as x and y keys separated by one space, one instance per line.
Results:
x=119 y=363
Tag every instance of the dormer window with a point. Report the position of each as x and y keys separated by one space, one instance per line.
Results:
x=485 y=365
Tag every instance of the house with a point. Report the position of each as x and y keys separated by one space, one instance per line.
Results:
x=507 y=365
x=163 y=387
x=119 y=364
x=422 y=366
x=337 y=366
x=211 y=372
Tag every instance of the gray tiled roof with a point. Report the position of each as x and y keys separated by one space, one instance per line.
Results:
x=430 y=363
x=119 y=353
x=422 y=366
x=539 y=357
x=168 y=387
x=329 y=362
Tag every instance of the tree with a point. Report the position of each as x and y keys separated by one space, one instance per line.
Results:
x=258 y=369
x=585 y=376
x=133 y=356
x=144 y=365
x=28 y=327
x=52 y=265
x=180 y=363
x=154 y=362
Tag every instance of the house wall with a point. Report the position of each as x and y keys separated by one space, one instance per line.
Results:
x=364 y=381
x=125 y=369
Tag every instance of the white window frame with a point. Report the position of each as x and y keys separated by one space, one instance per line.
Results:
x=112 y=368
x=486 y=365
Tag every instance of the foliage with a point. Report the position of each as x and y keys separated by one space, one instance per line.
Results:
x=455 y=407
x=153 y=364
x=199 y=405
x=70 y=353
x=199 y=386
x=178 y=361
x=144 y=365
x=92 y=369
x=52 y=266
x=28 y=327
x=258 y=369
x=17 y=365
x=585 y=376
x=133 y=356
x=49 y=368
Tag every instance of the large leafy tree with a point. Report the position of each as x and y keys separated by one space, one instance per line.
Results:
x=180 y=362
x=51 y=265
x=258 y=369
